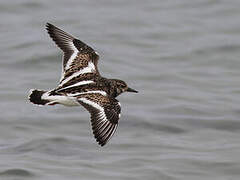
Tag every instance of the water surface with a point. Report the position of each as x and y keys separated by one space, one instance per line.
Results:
x=182 y=56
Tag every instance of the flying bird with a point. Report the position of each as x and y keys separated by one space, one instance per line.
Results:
x=82 y=84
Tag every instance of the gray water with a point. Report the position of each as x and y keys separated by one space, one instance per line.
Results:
x=182 y=56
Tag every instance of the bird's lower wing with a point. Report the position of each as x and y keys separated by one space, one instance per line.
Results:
x=105 y=113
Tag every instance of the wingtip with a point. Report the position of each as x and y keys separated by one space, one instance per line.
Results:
x=103 y=140
x=49 y=26
x=102 y=143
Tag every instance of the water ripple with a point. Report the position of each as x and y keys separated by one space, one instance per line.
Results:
x=17 y=172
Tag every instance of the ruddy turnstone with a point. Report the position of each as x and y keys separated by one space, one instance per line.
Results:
x=82 y=84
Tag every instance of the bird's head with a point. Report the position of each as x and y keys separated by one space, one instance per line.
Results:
x=120 y=87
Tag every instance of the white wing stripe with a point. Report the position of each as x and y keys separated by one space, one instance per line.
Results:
x=115 y=127
x=102 y=127
x=95 y=105
x=89 y=92
x=62 y=74
x=77 y=84
x=73 y=56
x=90 y=68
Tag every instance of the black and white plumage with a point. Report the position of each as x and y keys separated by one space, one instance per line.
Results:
x=82 y=84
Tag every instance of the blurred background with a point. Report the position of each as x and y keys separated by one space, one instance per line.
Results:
x=182 y=57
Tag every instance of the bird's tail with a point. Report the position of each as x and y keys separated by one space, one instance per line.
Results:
x=35 y=97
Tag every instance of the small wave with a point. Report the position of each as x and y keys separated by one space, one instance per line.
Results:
x=225 y=125
x=218 y=49
x=16 y=172
x=48 y=147
x=157 y=127
x=42 y=145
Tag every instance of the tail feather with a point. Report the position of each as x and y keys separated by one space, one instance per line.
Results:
x=36 y=97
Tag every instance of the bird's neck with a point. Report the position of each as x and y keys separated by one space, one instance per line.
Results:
x=113 y=88
x=110 y=86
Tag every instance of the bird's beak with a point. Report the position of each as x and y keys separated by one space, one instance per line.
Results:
x=131 y=90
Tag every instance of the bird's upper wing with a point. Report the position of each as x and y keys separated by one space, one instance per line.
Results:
x=78 y=57
x=105 y=113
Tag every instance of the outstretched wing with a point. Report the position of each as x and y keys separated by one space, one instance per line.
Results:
x=78 y=57
x=105 y=113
